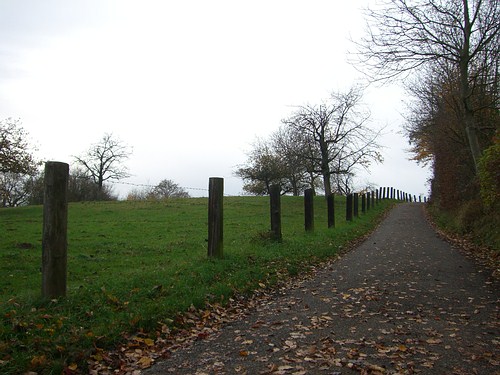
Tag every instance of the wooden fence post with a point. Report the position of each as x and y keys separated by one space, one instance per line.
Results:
x=215 y=217
x=348 y=211
x=330 y=204
x=309 y=209
x=356 y=205
x=55 y=230
x=368 y=200
x=383 y=194
x=363 y=203
x=275 y=196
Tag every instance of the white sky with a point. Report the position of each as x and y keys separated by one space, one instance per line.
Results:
x=188 y=85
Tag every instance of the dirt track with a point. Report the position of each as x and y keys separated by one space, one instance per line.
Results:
x=403 y=302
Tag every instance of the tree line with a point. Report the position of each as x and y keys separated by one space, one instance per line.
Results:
x=447 y=52
x=22 y=182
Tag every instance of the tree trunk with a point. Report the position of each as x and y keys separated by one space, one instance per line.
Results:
x=465 y=89
x=327 y=183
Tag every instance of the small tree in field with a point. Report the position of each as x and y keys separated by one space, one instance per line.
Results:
x=168 y=189
x=164 y=190
x=263 y=168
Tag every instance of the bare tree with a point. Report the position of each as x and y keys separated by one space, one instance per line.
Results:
x=337 y=135
x=104 y=160
x=14 y=190
x=406 y=35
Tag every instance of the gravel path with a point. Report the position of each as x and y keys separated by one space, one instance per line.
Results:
x=402 y=302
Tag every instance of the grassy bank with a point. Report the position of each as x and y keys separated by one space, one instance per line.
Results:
x=470 y=220
x=134 y=265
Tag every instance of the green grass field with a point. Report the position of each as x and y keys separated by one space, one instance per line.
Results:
x=134 y=265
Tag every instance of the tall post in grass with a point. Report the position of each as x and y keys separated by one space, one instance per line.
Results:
x=363 y=203
x=368 y=200
x=330 y=204
x=383 y=193
x=356 y=205
x=55 y=230
x=309 y=209
x=348 y=210
x=215 y=217
x=275 y=196
x=377 y=197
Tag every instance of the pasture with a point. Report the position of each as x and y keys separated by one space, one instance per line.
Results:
x=135 y=265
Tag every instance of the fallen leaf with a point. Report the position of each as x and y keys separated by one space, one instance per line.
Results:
x=145 y=362
x=433 y=341
x=38 y=360
x=73 y=367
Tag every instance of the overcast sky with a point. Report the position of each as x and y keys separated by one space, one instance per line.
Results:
x=189 y=85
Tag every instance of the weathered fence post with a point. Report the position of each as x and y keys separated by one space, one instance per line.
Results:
x=275 y=196
x=215 y=217
x=356 y=204
x=392 y=193
x=368 y=200
x=55 y=230
x=363 y=203
x=330 y=204
x=309 y=209
x=348 y=211
x=383 y=194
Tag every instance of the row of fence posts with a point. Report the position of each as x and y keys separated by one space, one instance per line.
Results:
x=215 y=210
x=55 y=220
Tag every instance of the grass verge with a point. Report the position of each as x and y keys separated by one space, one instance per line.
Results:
x=135 y=265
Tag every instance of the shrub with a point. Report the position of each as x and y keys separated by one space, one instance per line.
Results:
x=489 y=174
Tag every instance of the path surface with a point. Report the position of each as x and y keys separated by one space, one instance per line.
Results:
x=403 y=302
